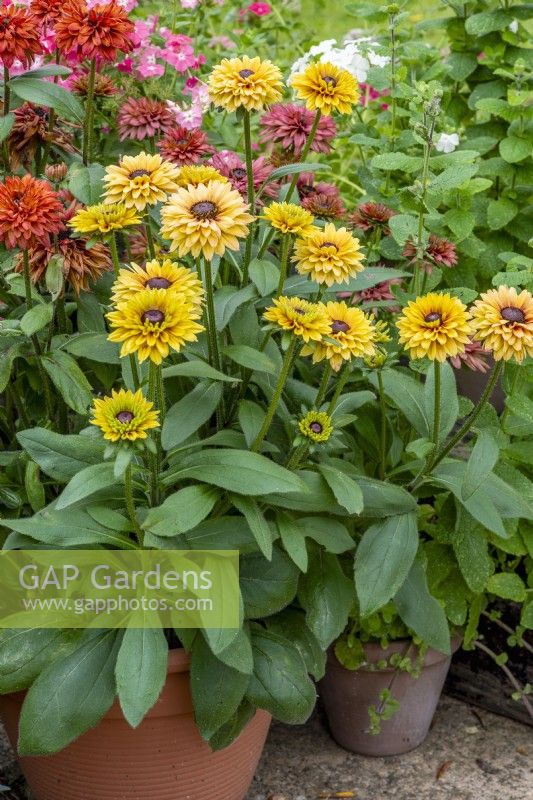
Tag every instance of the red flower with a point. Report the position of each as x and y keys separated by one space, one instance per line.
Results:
x=324 y=206
x=290 y=124
x=97 y=32
x=438 y=251
x=143 y=118
x=259 y=9
x=183 y=146
x=47 y=11
x=19 y=38
x=230 y=165
x=30 y=212
x=369 y=216
x=306 y=186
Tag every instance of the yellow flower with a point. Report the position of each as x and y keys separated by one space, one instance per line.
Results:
x=103 y=218
x=328 y=255
x=245 y=82
x=152 y=322
x=434 y=326
x=503 y=322
x=326 y=88
x=124 y=416
x=304 y=319
x=350 y=335
x=381 y=329
x=205 y=219
x=156 y=274
x=140 y=181
x=289 y=218
x=195 y=174
x=316 y=425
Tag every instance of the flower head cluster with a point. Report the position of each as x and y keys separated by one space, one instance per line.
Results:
x=19 y=36
x=326 y=88
x=435 y=326
x=316 y=426
x=350 y=335
x=356 y=55
x=183 y=146
x=328 y=255
x=245 y=82
x=503 y=323
x=158 y=274
x=100 y=31
x=372 y=216
x=124 y=416
x=230 y=166
x=142 y=118
x=289 y=218
x=140 y=181
x=30 y=212
x=300 y=317
x=196 y=174
x=438 y=251
x=289 y=125
x=103 y=218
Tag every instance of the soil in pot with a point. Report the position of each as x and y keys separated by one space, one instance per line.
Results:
x=164 y=758
x=348 y=694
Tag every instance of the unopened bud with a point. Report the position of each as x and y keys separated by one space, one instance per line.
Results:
x=56 y=172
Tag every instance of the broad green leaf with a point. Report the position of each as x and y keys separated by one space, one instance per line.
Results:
x=403 y=227
x=86 y=483
x=231 y=730
x=396 y=161
x=94 y=346
x=460 y=222
x=197 y=369
x=250 y=358
x=508 y=585
x=251 y=417
x=86 y=182
x=181 y=511
x=237 y=654
x=37 y=318
x=265 y=276
x=452 y=177
x=6 y=124
x=69 y=380
x=470 y=545
x=291 y=624
x=408 y=395
x=500 y=213
x=294 y=169
x=328 y=532
x=190 y=413
x=346 y=490
x=70 y=696
x=480 y=464
x=383 y=499
x=58 y=455
x=25 y=653
x=301 y=286
x=383 y=559
x=421 y=612
x=34 y=487
x=141 y=671
x=228 y=299
x=480 y=505
x=292 y=535
x=327 y=596
x=69 y=528
x=44 y=93
x=514 y=149
x=251 y=511
x=280 y=683
x=267 y=586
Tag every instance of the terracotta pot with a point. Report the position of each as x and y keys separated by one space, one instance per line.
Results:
x=164 y=757
x=347 y=695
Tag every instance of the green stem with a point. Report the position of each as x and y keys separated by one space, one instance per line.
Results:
x=114 y=253
x=149 y=236
x=284 y=262
x=421 y=215
x=437 y=405
x=211 y=319
x=251 y=195
x=383 y=427
x=323 y=387
x=296 y=458
x=130 y=504
x=89 y=115
x=134 y=371
x=341 y=383
x=276 y=397
x=27 y=279
x=155 y=458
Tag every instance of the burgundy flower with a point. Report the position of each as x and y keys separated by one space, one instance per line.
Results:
x=369 y=216
x=306 y=186
x=438 y=251
x=232 y=167
x=30 y=131
x=143 y=118
x=183 y=146
x=475 y=357
x=289 y=125
x=324 y=206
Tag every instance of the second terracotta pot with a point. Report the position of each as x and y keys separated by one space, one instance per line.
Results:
x=347 y=695
x=164 y=758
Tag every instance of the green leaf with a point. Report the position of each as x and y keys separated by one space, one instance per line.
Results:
x=508 y=585
x=449 y=404
x=240 y=471
x=488 y=21
x=86 y=182
x=217 y=690
x=453 y=177
x=44 y=93
x=383 y=499
x=421 y=612
x=346 y=490
x=251 y=417
x=480 y=504
x=230 y=731
x=295 y=169
x=470 y=545
x=328 y=532
x=181 y=511
x=267 y=586
x=480 y=464
x=6 y=124
x=291 y=625
x=521 y=408
x=94 y=346
x=461 y=65
x=34 y=487
x=292 y=535
x=228 y=299
x=190 y=413
x=403 y=227
x=70 y=528
x=141 y=671
x=54 y=277
x=408 y=395
x=37 y=318
x=69 y=380
x=25 y=653
x=500 y=213
x=250 y=358
x=383 y=560
x=301 y=286
x=514 y=149
x=396 y=161
x=197 y=369
x=265 y=275
x=86 y=483
x=280 y=683
x=237 y=654
x=256 y=521
x=460 y=222
x=59 y=456
x=327 y=596
x=69 y=697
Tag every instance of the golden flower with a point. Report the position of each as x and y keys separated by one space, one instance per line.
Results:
x=206 y=219
x=152 y=322
x=156 y=274
x=194 y=175
x=124 y=416
x=326 y=88
x=289 y=218
x=350 y=335
x=435 y=326
x=328 y=255
x=381 y=329
x=302 y=318
x=503 y=322
x=316 y=425
x=104 y=218
x=140 y=181
x=245 y=82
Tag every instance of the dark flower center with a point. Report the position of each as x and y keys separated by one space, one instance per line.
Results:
x=238 y=173
x=41 y=112
x=205 y=209
x=329 y=244
x=339 y=326
x=124 y=417
x=157 y=283
x=513 y=314
x=246 y=73
x=153 y=315
x=316 y=427
x=139 y=173
x=330 y=80
x=5 y=23
x=434 y=316
x=299 y=311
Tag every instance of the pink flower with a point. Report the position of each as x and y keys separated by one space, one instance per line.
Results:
x=148 y=66
x=259 y=9
x=475 y=357
x=232 y=167
x=369 y=94
x=222 y=41
x=289 y=125
x=306 y=186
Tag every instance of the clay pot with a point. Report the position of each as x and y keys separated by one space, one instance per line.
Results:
x=347 y=695
x=164 y=757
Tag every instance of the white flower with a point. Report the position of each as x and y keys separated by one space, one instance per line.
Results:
x=447 y=142
x=513 y=27
x=354 y=55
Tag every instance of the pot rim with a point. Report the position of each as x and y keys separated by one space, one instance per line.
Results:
x=178 y=661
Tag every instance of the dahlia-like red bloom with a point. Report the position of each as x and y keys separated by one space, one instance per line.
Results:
x=30 y=212
x=474 y=356
x=290 y=124
x=369 y=216
x=19 y=36
x=103 y=85
x=141 y=118
x=97 y=32
x=306 y=186
x=375 y=294
x=183 y=146
x=47 y=12
x=324 y=206
x=232 y=167
x=30 y=131
x=439 y=251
